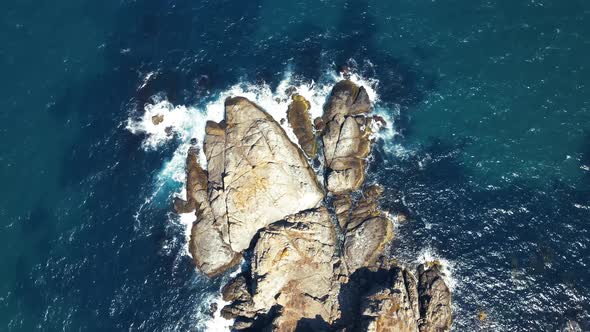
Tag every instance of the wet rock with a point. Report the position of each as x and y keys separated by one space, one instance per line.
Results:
x=435 y=300
x=236 y=290
x=169 y=131
x=344 y=71
x=319 y=125
x=212 y=309
x=300 y=120
x=379 y=120
x=157 y=119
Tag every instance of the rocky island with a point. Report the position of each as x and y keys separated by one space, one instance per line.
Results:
x=313 y=240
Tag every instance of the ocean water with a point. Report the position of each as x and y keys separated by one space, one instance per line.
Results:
x=487 y=149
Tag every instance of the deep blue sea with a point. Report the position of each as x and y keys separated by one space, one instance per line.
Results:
x=488 y=149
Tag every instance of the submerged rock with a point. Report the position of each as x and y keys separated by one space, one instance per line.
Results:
x=313 y=264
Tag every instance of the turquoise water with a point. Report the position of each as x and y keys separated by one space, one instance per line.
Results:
x=491 y=158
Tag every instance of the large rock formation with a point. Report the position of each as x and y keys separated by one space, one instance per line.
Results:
x=265 y=176
x=315 y=263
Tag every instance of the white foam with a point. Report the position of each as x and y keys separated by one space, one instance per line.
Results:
x=182 y=122
x=217 y=323
x=187 y=220
x=187 y=122
x=428 y=256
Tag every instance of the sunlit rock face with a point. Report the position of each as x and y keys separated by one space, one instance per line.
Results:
x=318 y=254
x=265 y=175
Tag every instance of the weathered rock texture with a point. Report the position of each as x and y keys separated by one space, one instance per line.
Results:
x=346 y=137
x=315 y=264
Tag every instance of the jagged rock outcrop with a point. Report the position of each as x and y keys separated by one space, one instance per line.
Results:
x=210 y=251
x=397 y=303
x=256 y=176
x=367 y=229
x=392 y=307
x=314 y=263
x=435 y=299
x=293 y=268
x=300 y=121
x=346 y=136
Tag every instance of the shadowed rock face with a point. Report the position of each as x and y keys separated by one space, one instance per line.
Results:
x=315 y=264
x=435 y=300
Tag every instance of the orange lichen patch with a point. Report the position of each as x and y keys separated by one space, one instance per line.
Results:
x=252 y=184
x=283 y=254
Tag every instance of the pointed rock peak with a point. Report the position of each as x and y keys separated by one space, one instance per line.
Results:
x=231 y=101
x=347 y=98
x=241 y=109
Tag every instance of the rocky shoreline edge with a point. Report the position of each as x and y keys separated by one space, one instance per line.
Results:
x=314 y=244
